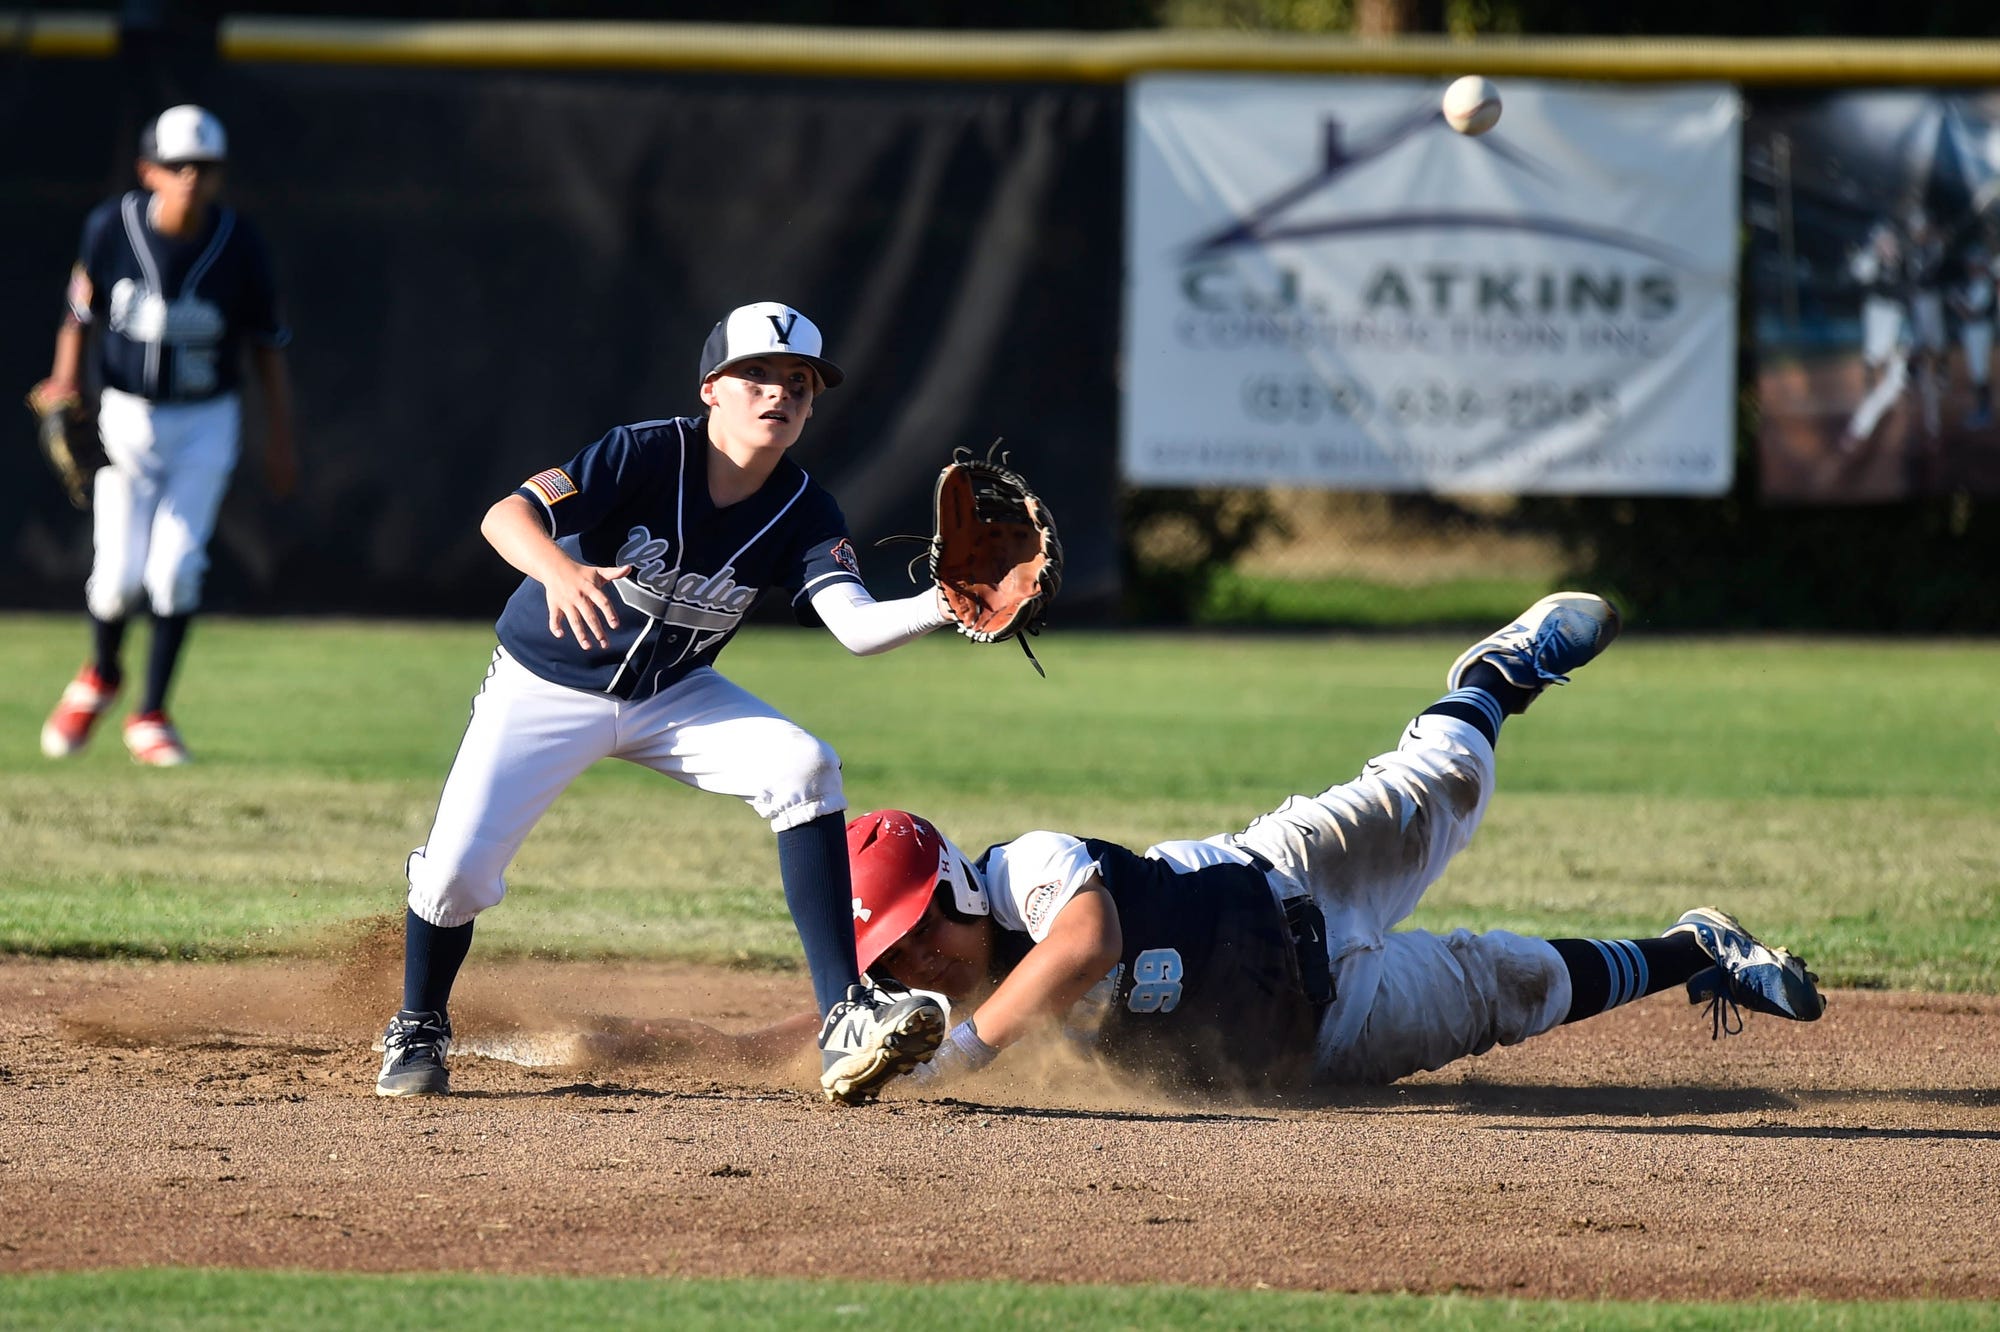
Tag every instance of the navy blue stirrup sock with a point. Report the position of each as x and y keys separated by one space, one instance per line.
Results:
x=432 y=955
x=1604 y=973
x=107 y=641
x=169 y=632
x=1485 y=675
x=1476 y=707
x=819 y=889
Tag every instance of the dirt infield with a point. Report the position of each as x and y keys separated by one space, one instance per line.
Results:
x=224 y=1115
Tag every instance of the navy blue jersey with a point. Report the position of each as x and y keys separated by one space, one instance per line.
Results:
x=639 y=496
x=1210 y=989
x=173 y=314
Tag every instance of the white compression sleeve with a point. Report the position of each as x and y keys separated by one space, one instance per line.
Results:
x=866 y=626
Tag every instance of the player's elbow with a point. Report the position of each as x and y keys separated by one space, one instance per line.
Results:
x=503 y=515
x=1110 y=947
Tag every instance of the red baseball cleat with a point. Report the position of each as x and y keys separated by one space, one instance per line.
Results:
x=83 y=701
x=153 y=741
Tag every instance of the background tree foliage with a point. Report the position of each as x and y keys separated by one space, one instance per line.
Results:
x=1464 y=18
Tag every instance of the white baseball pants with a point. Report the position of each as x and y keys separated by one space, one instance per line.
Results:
x=1976 y=337
x=1881 y=329
x=1407 y=1000
x=1927 y=321
x=154 y=507
x=529 y=739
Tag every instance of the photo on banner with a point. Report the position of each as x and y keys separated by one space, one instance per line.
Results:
x=1874 y=223
x=1330 y=288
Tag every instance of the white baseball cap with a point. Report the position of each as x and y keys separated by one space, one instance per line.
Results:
x=767 y=328
x=184 y=134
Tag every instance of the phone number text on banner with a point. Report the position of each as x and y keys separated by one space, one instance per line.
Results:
x=1330 y=288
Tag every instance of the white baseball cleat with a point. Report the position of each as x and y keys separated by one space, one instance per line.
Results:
x=880 y=1031
x=1550 y=639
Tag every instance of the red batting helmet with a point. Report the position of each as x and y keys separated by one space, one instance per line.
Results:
x=898 y=859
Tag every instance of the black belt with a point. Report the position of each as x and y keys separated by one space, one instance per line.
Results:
x=1306 y=923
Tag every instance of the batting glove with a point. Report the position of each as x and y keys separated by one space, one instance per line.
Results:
x=960 y=1053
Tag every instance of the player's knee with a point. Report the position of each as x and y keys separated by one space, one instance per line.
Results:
x=451 y=885
x=807 y=765
x=803 y=782
x=1520 y=985
x=112 y=598
x=178 y=590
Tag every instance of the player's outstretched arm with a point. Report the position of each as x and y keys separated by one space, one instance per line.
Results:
x=866 y=626
x=1083 y=943
x=579 y=604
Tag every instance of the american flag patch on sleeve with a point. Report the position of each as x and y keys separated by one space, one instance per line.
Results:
x=552 y=485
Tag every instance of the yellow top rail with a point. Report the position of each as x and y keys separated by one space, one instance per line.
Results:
x=77 y=34
x=1053 y=56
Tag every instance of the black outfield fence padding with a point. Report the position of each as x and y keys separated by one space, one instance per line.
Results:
x=487 y=269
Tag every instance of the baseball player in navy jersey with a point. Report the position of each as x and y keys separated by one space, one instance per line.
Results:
x=1269 y=959
x=169 y=289
x=642 y=555
x=1972 y=304
x=1925 y=270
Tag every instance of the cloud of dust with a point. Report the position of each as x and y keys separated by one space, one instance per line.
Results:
x=260 y=1002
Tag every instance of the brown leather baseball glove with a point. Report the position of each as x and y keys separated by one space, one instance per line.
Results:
x=994 y=554
x=66 y=432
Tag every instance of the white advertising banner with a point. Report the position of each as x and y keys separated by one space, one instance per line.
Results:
x=1331 y=288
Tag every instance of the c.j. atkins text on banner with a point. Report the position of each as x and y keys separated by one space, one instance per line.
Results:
x=1331 y=288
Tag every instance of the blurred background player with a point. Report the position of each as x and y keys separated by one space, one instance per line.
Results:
x=169 y=288
x=1972 y=305
x=1924 y=269
x=1877 y=267
x=642 y=555
x=1269 y=958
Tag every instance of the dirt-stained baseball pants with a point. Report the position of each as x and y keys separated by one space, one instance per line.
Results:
x=1407 y=1000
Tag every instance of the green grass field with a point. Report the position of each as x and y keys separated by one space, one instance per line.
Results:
x=1839 y=796
x=166 y=1301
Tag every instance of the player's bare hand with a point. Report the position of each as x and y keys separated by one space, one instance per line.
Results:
x=51 y=391
x=581 y=604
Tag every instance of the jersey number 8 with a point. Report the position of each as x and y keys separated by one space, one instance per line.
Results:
x=1156 y=981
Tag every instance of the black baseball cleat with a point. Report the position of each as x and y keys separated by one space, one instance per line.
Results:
x=413 y=1053
x=880 y=1031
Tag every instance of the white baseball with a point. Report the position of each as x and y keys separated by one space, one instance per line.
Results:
x=1472 y=105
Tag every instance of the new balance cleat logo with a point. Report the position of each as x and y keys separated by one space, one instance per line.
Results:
x=879 y=1032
